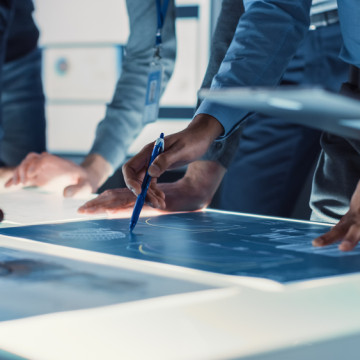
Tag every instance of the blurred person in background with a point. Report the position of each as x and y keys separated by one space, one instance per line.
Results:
x=22 y=114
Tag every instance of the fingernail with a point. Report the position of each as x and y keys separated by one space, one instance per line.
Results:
x=318 y=242
x=155 y=205
x=345 y=245
x=133 y=190
x=154 y=170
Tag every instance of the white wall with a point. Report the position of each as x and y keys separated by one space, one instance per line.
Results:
x=79 y=21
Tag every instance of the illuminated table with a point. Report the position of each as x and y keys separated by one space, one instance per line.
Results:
x=165 y=311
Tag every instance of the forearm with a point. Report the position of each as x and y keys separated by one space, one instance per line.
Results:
x=124 y=115
x=207 y=175
x=196 y=189
x=97 y=169
x=192 y=192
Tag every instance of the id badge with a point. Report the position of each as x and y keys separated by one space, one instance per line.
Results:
x=153 y=91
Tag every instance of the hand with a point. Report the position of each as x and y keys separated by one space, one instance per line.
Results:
x=5 y=173
x=180 y=149
x=347 y=230
x=194 y=191
x=113 y=201
x=44 y=169
x=110 y=202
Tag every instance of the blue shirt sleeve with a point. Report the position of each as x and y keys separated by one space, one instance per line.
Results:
x=349 y=14
x=7 y=9
x=124 y=115
x=267 y=37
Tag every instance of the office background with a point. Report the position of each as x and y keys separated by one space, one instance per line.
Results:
x=83 y=45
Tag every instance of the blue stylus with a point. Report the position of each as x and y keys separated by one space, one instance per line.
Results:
x=158 y=149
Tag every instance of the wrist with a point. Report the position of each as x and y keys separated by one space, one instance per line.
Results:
x=208 y=124
x=196 y=189
x=97 y=169
x=204 y=177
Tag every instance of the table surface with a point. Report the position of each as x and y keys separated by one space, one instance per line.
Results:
x=82 y=304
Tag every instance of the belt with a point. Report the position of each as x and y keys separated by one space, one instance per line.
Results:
x=323 y=19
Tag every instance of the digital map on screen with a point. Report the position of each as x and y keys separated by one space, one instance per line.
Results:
x=223 y=243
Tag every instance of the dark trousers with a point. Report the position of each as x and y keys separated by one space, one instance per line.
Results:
x=23 y=112
x=274 y=158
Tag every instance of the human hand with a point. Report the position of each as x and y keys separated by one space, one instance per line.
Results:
x=114 y=201
x=180 y=148
x=192 y=192
x=44 y=169
x=109 y=202
x=347 y=230
x=5 y=173
x=196 y=189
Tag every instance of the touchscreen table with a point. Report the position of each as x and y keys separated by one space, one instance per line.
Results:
x=224 y=243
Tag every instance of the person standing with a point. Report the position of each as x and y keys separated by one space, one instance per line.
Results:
x=276 y=157
x=124 y=114
x=22 y=114
x=279 y=26
x=273 y=158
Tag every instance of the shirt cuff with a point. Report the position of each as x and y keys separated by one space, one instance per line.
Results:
x=109 y=149
x=223 y=151
x=229 y=117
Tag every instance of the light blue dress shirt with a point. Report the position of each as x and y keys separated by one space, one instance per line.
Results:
x=124 y=114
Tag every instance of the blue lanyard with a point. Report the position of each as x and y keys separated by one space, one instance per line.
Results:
x=161 y=12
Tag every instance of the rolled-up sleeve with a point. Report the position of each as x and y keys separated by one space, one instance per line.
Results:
x=124 y=115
